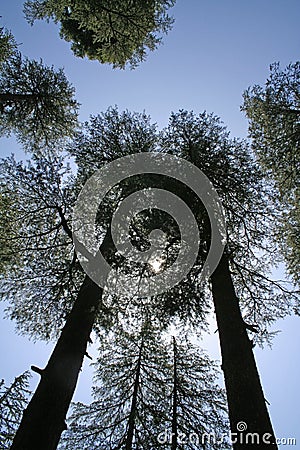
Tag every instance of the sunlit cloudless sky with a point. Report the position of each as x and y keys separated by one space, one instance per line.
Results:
x=215 y=50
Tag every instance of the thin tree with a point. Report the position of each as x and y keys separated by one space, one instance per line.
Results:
x=137 y=376
x=13 y=400
x=198 y=403
x=129 y=395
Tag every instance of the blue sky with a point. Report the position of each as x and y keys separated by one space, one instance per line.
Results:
x=215 y=50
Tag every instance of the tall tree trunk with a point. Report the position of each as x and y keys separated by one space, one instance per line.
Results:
x=175 y=399
x=245 y=396
x=44 y=418
x=133 y=408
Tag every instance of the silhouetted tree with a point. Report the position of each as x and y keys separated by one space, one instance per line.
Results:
x=146 y=389
x=128 y=406
x=198 y=412
x=13 y=400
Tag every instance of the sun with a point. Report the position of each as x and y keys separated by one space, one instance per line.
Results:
x=156 y=264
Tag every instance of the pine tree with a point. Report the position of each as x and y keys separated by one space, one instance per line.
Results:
x=36 y=244
x=52 y=284
x=129 y=394
x=134 y=400
x=115 y=134
x=57 y=289
x=36 y=103
x=198 y=403
x=8 y=247
x=229 y=165
x=8 y=44
x=232 y=169
x=13 y=400
x=273 y=112
x=45 y=216
x=115 y=32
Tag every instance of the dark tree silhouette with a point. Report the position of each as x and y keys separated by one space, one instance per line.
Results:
x=13 y=400
x=147 y=391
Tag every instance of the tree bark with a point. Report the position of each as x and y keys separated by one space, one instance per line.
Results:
x=133 y=408
x=44 y=418
x=174 y=403
x=245 y=396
